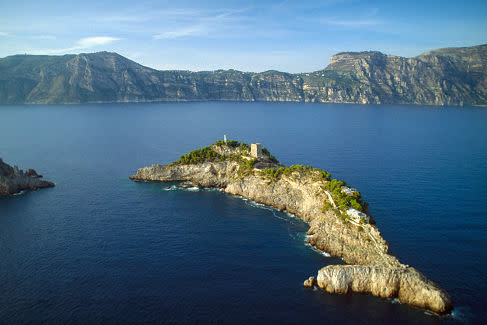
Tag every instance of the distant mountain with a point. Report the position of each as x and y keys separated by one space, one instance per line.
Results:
x=453 y=76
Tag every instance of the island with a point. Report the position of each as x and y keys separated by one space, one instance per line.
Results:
x=339 y=220
x=14 y=180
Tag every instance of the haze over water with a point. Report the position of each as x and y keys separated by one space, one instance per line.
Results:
x=101 y=248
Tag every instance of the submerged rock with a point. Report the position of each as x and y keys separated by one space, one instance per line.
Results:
x=13 y=180
x=302 y=191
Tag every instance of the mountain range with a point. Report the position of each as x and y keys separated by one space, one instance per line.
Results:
x=450 y=76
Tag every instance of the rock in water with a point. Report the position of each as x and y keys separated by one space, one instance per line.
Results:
x=405 y=283
x=14 y=180
x=310 y=194
x=310 y=282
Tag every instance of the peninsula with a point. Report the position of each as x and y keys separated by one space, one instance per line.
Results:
x=450 y=76
x=14 y=180
x=340 y=223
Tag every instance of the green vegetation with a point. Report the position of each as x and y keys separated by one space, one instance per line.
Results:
x=209 y=154
x=198 y=156
x=361 y=77
x=271 y=157
x=343 y=200
x=333 y=186
x=249 y=164
x=246 y=165
x=274 y=174
x=233 y=144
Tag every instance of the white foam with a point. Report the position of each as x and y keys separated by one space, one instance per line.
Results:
x=315 y=249
x=292 y=215
x=460 y=313
x=20 y=193
x=192 y=189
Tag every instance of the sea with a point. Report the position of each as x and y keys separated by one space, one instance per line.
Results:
x=100 y=248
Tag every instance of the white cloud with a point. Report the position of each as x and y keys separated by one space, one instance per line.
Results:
x=204 y=22
x=3 y=34
x=183 y=32
x=82 y=44
x=89 y=42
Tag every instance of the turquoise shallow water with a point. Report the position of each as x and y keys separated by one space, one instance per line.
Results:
x=100 y=248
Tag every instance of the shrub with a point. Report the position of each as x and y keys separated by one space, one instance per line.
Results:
x=197 y=156
x=250 y=163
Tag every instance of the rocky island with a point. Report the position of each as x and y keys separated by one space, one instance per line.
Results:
x=339 y=220
x=14 y=180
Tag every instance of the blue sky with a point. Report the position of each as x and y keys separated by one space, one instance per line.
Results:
x=293 y=36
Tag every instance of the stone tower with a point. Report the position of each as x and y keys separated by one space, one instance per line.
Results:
x=256 y=150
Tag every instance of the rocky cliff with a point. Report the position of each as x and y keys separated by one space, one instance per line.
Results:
x=13 y=180
x=314 y=197
x=456 y=76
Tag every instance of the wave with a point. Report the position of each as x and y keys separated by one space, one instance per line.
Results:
x=325 y=254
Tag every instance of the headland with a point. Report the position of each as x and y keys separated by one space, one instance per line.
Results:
x=14 y=180
x=339 y=220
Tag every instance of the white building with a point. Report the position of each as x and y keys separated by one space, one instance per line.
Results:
x=349 y=191
x=357 y=216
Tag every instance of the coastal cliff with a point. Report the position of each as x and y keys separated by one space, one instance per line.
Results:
x=338 y=218
x=14 y=180
x=452 y=76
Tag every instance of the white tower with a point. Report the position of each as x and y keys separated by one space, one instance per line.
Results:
x=256 y=150
x=225 y=138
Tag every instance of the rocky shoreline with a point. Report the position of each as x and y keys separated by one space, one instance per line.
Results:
x=312 y=196
x=14 y=180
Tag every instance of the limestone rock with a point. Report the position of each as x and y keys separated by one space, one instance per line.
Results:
x=405 y=283
x=13 y=180
x=32 y=173
x=374 y=269
x=310 y=282
x=455 y=76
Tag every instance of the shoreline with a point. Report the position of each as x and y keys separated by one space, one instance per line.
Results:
x=370 y=266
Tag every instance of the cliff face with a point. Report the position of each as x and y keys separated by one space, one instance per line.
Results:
x=441 y=77
x=302 y=192
x=455 y=76
x=13 y=180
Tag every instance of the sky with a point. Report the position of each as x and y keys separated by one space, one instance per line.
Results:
x=292 y=36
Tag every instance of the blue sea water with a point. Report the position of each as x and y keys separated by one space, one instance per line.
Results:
x=99 y=248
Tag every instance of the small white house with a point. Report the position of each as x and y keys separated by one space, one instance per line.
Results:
x=357 y=216
x=349 y=191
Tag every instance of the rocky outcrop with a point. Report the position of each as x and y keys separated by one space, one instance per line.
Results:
x=301 y=192
x=405 y=283
x=14 y=180
x=310 y=282
x=456 y=76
